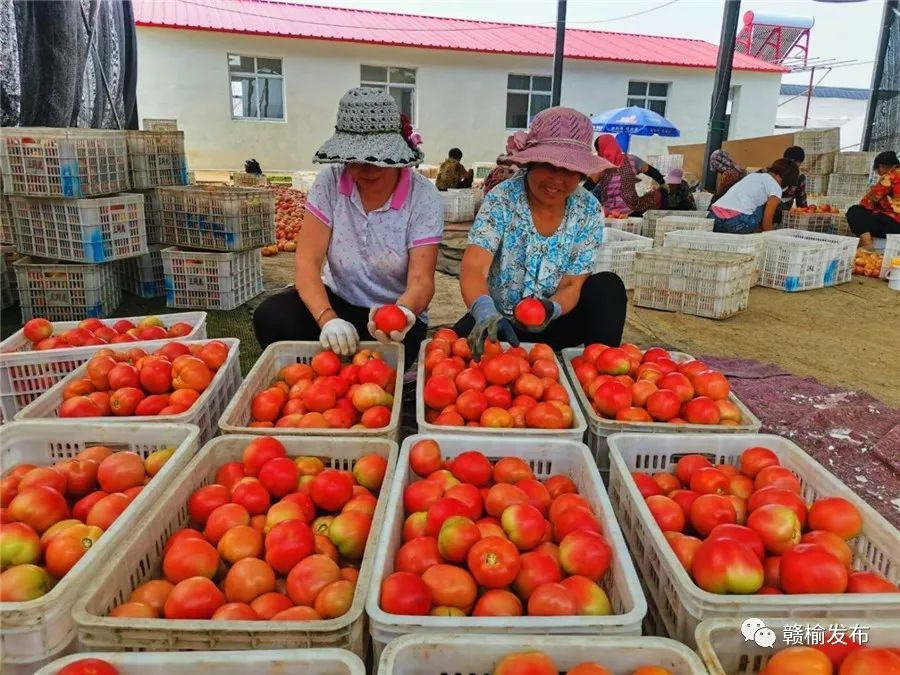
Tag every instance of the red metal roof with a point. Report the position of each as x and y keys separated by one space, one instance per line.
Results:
x=290 y=20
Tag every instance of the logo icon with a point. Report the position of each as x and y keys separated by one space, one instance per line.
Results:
x=754 y=630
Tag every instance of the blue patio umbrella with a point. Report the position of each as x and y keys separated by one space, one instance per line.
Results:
x=633 y=121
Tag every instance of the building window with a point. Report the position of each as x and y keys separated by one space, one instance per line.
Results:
x=526 y=96
x=257 y=88
x=398 y=82
x=650 y=95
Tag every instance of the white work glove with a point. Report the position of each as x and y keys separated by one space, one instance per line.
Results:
x=339 y=336
x=395 y=335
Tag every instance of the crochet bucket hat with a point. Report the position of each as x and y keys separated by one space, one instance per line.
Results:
x=558 y=136
x=369 y=130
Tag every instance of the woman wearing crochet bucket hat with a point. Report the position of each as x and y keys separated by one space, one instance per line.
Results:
x=370 y=236
x=537 y=235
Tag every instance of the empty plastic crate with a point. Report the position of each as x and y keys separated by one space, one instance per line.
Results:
x=702 y=200
x=817 y=184
x=665 y=163
x=152 y=216
x=792 y=264
x=244 y=179
x=712 y=284
x=891 y=251
x=459 y=205
x=751 y=244
x=49 y=162
x=159 y=124
x=80 y=230
x=632 y=225
x=616 y=253
x=143 y=275
x=848 y=185
x=653 y=216
x=841 y=253
x=217 y=218
x=156 y=158
x=854 y=162
x=675 y=222
x=194 y=279
x=818 y=141
x=66 y=291
x=482 y=169
x=6 y=224
x=819 y=164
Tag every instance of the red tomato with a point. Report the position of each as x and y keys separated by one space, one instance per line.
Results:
x=405 y=593
x=417 y=555
x=120 y=471
x=810 y=568
x=451 y=586
x=156 y=375
x=205 y=500
x=552 y=599
x=494 y=562
x=193 y=598
x=88 y=667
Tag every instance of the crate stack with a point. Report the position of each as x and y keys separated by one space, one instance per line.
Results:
x=72 y=217
x=820 y=146
x=214 y=238
x=850 y=179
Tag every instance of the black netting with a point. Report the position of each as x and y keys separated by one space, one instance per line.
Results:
x=886 y=122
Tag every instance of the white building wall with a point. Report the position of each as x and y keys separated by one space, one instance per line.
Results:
x=461 y=97
x=846 y=113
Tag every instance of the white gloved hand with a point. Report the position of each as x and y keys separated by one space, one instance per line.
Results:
x=339 y=336
x=395 y=335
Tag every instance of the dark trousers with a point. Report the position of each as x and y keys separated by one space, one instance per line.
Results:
x=285 y=317
x=599 y=316
x=863 y=221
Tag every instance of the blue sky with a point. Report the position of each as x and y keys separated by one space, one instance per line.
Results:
x=843 y=30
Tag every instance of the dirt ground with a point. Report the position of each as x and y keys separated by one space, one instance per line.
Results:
x=844 y=336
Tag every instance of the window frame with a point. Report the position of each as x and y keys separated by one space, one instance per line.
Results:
x=646 y=97
x=386 y=86
x=529 y=92
x=229 y=74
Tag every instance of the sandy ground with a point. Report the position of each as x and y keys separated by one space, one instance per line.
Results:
x=845 y=336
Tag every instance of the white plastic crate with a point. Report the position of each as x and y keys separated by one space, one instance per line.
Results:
x=482 y=169
x=724 y=650
x=750 y=244
x=6 y=224
x=477 y=199
x=600 y=428
x=41 y=628
x=791 y=264
x=259 y=662
x=713 y=284
x=25 y=373
x=631 y=225
x=817 y=184
x=546 y=457
x=9 y=293
x=702 y=200
x=80 y=230
x=652 y=217
x=143 y=275
x=818 y=141
x=891 y=251
x=46 y=162
x=838 y=202
x=682 y=223
x=810 y=222
x=217 y=218
x=159 y=124
x=204 y=413
x=818 y=164
x=854 y=162
x=616 y=253
x=459 y=205
x=680 y=603
x=66 y=291
x=139 y=559
x=243 y=179
x=195 y=279
x=579 y=425
x=303 y=180
x=443 y=653
x=848 y=185
x=156 y=158
x=841 y=253
x=665 y=163
x=236 y=418
x=152 y=216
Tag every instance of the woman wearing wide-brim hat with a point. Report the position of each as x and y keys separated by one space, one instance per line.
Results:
x=538 y=235
x=374 y=223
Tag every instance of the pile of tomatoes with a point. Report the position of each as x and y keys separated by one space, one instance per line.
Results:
x=506 y=388
x=273 y=538
x=538 y=663
x=868 y=263
x=626 y=384
x=488 y=539
x=837 y=656
x=327 y=393
x=39 y=332
x=290 y=207
x=747 y=529
x=52 y=515
x=132 y=382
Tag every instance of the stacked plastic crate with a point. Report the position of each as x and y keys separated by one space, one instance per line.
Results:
x=820 y=146
x=214 y=235
x=72 y=217
x=156 y=158
x=9 y=296
x=852 y=171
